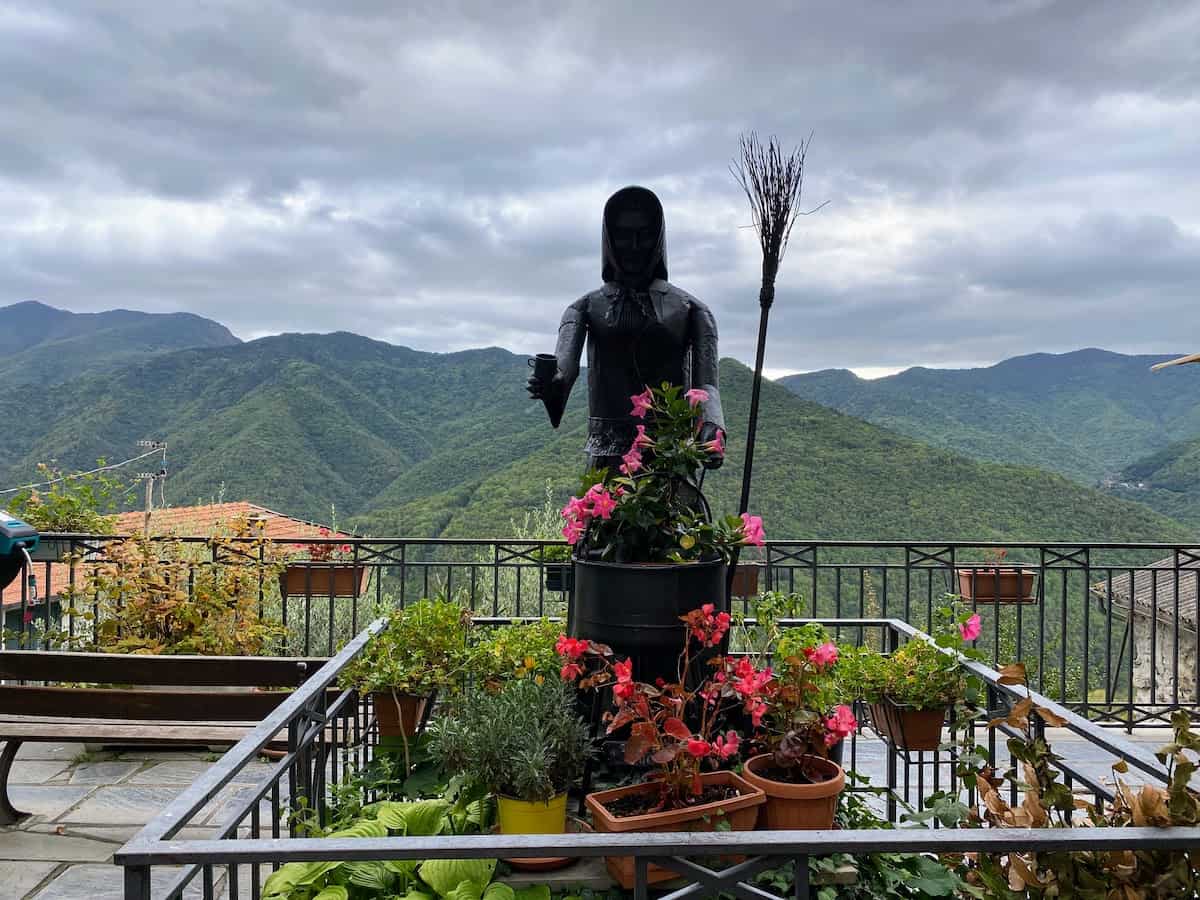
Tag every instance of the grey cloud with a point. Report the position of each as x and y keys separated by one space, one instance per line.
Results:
x=992 y=168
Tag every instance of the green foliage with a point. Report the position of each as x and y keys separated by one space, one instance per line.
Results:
x=154 y=598
x=80 y=503
x=501 y=653
x=525 y=741
x=423 y=647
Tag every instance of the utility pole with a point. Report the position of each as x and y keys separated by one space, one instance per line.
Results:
x=150 y=478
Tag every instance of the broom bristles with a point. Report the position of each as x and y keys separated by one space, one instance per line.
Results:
x=773 y=181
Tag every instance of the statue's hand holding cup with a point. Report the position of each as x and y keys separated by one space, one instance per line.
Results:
x=545 y=367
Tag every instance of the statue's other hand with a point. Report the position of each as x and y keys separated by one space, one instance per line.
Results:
x=709 y=432
x=539 y=388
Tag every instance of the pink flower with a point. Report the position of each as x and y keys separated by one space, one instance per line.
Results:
x=728 y=745
x=825 y=655
x=570 y=672
x=752 y=529
x=631 y=461
x=573 y=531
x=603 y=504
x=716 y=445
x=970 y=630
x=697 y=748
x=840 y=724
x=757 y=711
x=642 y=403
x=695 y=397
x=643 y=440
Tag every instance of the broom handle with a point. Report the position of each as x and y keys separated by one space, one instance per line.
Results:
x=766 y=295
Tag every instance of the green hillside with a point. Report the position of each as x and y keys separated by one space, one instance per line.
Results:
x=410 y=443
x=1086 y=414
x=818 y=474
x=1168 y=481
x=42 y=345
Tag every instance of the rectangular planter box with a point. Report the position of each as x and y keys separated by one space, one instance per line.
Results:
x=745 y=580
x=741 y=813
x=979 y=584
x=323 y=580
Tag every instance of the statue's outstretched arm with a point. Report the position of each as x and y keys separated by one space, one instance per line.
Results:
x=572 y=332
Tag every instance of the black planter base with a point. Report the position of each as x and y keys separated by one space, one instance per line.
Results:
x=636 y=609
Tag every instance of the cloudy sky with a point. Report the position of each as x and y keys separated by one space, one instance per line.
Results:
x=1001 y=177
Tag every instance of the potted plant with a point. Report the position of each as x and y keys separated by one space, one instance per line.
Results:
x=646 y=550
x=421 y=650
x=800 y=781
x=87 y=503
x=556 y=563
x=677 y=729
x=525 y=743
x=910 y=691
x=329 y=569
x=993 y=581
x=505 y=653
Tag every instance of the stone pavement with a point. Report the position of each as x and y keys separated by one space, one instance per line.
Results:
x=86 y=805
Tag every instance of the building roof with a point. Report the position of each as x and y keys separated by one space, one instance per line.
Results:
x=176 y=521
x=1166 y=588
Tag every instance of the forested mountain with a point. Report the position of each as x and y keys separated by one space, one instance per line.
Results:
x=43 y=345
x=1086 y=414
x=412 y=443
x=1168 y=481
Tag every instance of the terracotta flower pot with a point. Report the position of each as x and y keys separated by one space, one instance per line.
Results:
x=996 y=584
x=906 y=727
x=797 y=806
x=322 y=579
x=398 y=714
x=741 y=812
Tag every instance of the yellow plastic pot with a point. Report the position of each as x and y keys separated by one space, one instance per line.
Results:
x=525 y=817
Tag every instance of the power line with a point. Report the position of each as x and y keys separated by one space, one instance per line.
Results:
x=26 y=487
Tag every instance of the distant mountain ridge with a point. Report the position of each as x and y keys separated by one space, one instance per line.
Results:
x=1084 y=414
x=43 y=345
x=403 y=442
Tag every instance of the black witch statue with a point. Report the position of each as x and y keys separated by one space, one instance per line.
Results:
x=640 y=329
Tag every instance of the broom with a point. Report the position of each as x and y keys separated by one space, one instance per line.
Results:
x=772 y=181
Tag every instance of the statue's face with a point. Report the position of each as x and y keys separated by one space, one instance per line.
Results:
x=633 y=240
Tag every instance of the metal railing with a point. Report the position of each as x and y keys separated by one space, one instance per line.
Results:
x=1109 y=629
x=327 y=732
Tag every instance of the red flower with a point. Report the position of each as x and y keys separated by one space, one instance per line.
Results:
x=624 y=688
x=727 y=746
x=572 y=648
x=698 y=749
x=570 y=672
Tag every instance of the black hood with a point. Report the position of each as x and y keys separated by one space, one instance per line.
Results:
x=610 y=269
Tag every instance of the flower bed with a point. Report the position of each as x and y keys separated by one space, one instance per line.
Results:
x=509 y=727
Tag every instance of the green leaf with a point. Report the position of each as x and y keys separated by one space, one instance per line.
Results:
x=333 y=892
x=498 y=891
x=444 y=875
x=373 y=875
x=533 y=892
x=295 y=875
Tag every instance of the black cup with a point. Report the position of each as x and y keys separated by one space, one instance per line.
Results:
x=545 y=367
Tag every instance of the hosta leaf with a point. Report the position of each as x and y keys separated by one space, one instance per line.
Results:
x=444 y=875
x=498 y=891
x=333 y=892
x=373 y=875
x=534 y=892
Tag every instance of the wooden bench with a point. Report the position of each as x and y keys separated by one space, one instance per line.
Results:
x=39 y=711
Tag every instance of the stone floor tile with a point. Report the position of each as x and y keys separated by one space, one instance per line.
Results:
x=123 y=805
x=50 y=801
x=106 y=772
x=37 y=771
x=19 y=878
x=49 y=750
x=185 y=771
x=93 y=882
x=26 y=845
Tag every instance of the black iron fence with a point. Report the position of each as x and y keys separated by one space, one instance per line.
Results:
x=329 y=734
x=1110 y=629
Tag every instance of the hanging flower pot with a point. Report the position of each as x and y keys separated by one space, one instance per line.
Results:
x=803 y=796
x=745 y=580
x=323 y=579
x=906 y=726
x=560 y=577
x=616 y=811
x=997 y=584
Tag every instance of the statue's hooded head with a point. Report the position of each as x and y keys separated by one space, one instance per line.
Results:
x=633 y=240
